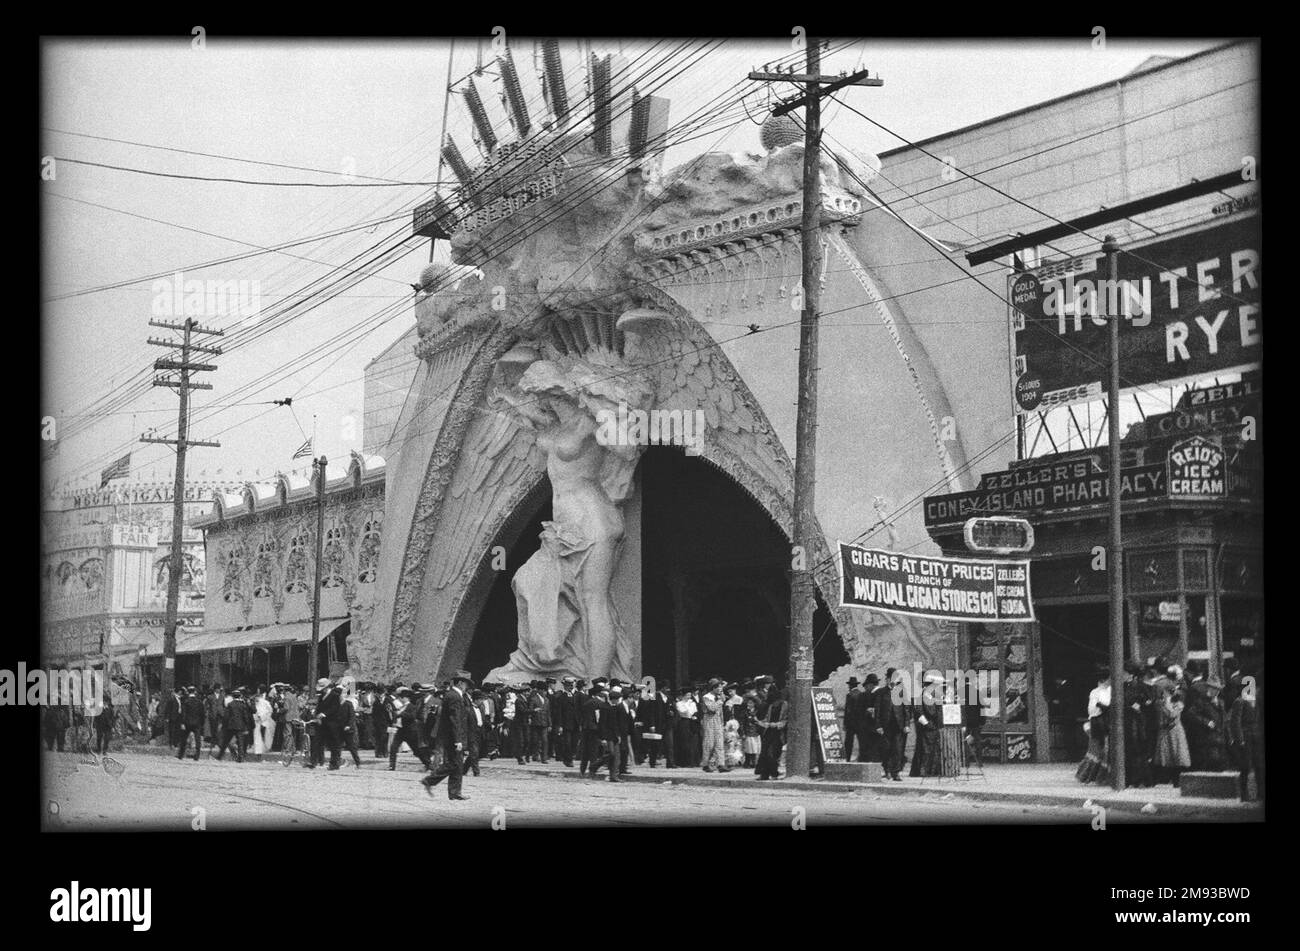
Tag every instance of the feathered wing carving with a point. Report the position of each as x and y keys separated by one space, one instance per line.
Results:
x=500 y=458
x=690 y=373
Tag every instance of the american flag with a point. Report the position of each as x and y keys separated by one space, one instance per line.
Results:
x=303 y=450
x=118 y=470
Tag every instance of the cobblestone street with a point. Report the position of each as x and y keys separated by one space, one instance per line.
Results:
x=156 y=792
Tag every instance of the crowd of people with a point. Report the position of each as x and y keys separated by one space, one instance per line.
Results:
x=1178 y=719
x=607 y=724
x=880 y=716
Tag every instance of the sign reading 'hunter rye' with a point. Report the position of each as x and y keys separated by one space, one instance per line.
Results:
x=1190 y=306
x=954 y=589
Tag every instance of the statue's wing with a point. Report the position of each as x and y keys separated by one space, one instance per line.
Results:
x=695 y=374
x=498 y=461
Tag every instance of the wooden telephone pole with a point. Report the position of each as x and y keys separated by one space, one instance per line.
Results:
x=803 y=602
x=319 y=467
x=175 y=563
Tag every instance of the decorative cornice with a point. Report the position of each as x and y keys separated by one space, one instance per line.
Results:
x=751 y=221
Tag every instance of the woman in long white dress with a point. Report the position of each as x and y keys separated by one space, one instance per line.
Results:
x=263 y=722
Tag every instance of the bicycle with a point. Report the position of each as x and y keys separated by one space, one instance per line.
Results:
x=297 y=729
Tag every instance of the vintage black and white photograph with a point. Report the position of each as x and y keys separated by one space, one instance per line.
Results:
x=796 y=431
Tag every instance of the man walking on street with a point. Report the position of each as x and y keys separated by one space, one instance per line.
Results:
x=329 y=714
x=451 y=734
x=192 y=717
x=238 y=719
x=607 y=710
x=564 y=721
x=407 y=728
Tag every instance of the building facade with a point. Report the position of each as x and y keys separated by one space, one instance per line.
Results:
x=105 y=568
x=260 y=546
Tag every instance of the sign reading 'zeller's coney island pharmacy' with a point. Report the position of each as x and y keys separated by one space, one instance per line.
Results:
x=954 y=589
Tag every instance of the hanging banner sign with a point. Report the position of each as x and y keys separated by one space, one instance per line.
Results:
x=953 y=589
x=1190 y=306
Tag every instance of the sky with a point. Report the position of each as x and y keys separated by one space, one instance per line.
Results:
x=372 y=110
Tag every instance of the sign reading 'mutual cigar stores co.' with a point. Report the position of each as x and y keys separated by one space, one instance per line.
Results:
x=953 y=589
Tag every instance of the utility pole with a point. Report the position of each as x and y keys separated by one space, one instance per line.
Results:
x=319 y=466
x=1114 y=302
x=175 y=562
x=803 y=602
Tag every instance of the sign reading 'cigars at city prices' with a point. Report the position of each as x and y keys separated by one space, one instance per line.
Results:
x=954 y=589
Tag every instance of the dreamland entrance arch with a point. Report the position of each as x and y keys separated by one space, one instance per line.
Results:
x=612 y=290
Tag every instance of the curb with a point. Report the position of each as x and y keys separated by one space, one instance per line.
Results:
x=1230 y=810
x=1243 y=812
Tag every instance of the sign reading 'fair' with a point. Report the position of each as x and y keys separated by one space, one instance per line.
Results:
x=954 y=589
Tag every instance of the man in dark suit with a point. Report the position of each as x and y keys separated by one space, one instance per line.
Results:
x=381 y=715
x=893 y=722
x=451 y=734
x=589 y=724
x=564 y=720
x=854 y=721
x=215 y=706
x=615 y=725
x=539 y=721
x=237 y=721
x=478 y=727
x=652 y=714
x=171 y=712
x=330 y=714
x=192 y=718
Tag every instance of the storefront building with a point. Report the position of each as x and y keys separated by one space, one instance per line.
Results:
x=106 y=556
x=1193 y=560
x=261 y=553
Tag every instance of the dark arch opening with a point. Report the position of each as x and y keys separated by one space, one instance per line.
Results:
x=715 y=588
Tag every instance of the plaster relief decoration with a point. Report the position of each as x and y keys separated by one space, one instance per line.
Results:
x=295 y=569
x=368 y=556
x=332 y=565
x=568 y=622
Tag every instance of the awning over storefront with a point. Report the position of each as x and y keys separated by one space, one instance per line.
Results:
x=198 y=640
